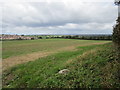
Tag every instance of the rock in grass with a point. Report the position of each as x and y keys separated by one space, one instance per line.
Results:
x=64 y=71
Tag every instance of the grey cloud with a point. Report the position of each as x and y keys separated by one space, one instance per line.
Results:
x=54 y=14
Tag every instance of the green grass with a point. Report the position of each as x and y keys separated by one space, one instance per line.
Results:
x=21 y=47
x=90 y=66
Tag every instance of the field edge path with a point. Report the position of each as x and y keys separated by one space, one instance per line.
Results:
x=12 y=61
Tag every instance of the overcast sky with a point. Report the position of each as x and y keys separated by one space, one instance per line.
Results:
x=53 y=17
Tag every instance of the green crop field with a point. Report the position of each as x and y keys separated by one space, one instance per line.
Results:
x=14 y=48
x=91 y=64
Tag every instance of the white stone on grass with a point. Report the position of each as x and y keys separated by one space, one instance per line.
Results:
x=64 y=71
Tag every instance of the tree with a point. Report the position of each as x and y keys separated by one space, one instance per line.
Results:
x=116 y=38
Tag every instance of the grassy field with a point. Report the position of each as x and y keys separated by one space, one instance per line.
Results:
x=90 y=65
x=21 y=47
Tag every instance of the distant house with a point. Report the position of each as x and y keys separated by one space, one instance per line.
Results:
x=0 y=37
x=15 y=37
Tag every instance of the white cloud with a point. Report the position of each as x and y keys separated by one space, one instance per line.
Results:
x=61 y=17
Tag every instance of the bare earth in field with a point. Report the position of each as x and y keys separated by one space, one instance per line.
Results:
x=12 y=61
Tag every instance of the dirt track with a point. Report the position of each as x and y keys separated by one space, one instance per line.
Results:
x=12 y=61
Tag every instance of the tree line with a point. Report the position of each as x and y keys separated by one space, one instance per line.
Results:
x=84 y=37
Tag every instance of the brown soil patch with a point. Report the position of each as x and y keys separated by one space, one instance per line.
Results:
x=12 y=61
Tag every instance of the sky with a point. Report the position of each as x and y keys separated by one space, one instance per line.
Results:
x=57 y=16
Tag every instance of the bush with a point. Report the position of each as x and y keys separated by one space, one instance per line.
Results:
x=116 y=38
